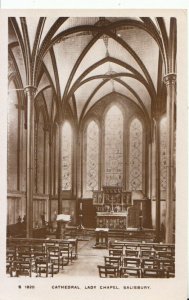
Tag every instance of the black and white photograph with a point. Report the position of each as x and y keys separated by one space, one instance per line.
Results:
x=92 y=118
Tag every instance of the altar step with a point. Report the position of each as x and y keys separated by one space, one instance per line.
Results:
x=129 y=234
x=133 y=234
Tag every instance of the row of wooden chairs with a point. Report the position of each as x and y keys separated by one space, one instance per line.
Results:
x=25 y=259
x=72 y=244
x=66 y=250
x=141 y=252
x=136 y=267
x=22 y=267
x=142 y=246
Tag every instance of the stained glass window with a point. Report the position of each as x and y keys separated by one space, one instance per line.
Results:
x=66 y=157
x=163 y=154
x=135 y=156
x=92 y=156
x=114 y=147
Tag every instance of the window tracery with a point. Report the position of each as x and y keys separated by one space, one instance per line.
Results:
x=163 y=154
x=114 y=147
x=92 y=156
x=66 y=157
x=135 y=155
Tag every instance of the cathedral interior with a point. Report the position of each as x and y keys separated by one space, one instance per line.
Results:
x=91 y=146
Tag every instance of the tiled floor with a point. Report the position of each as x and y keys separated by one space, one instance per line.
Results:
x=88 y=259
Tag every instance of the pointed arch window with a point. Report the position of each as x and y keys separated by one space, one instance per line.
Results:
x=163 y=154
x=135 y=155
x=114 y=147
x=66 y=156
x=92 y=166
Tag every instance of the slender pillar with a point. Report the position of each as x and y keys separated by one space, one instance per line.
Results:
x=170 y=81
x=150 y=183
x=79 y=173
x=50 y=174
x=59 y=177
x=158 y=195
x=44 y=158
x=30 y=95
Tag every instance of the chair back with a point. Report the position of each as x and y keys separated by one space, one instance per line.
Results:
x=115 y=252
x=130 y=272
x=108 y=271
x=131 y=253
x=131 y=262
x=148 y=253
x=112 y=260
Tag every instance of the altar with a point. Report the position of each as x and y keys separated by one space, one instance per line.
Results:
x=119 y=209
x=114 y=220
x=112 y=207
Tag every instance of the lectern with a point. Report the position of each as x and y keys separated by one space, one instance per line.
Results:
x=62 y=220
x=101 y=237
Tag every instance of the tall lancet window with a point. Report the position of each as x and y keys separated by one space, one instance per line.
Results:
x=66 y=157
x=92 y=156
x=135 y=155
x=114 y=147
x=163 y=154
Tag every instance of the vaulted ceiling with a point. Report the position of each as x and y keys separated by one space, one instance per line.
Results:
x=74 y=62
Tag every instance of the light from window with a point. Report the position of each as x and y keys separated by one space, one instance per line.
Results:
x=92 y=156
x=163 y=154
x=114 y=147
x=66 y=157
x=135 y=156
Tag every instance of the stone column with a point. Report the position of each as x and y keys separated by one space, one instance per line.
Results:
x=50 y=174
x=170 y=81
x=79 y=172
x=30 y=95
x=158 y=194
x=59 y=177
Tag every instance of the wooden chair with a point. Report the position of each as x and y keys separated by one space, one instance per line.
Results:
x=168 y=266
x=66 y=250
x=10 y=257
x=24 y=248
x=132 y=253
x=21 y=267
x=112 y=261
x=43 y=266
x=131 y=262
x=55 y=256
x=38 y=248
x=152 y=273
x=150 y=263
x=131 y=247
x=115 y=252
x=164 y=254
x=161 y=247
x=146 y=247
x=116 y=246
x=130 y=272
x=108 y=271
x=148 y=254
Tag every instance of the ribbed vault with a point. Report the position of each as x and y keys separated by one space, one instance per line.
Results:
x=74 y=62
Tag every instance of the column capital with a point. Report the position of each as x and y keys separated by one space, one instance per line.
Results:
x=156 y=116
x=30 y=89
x=59 y=123
x=170 y=78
